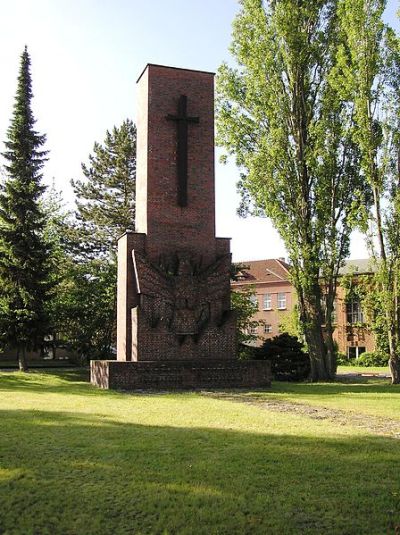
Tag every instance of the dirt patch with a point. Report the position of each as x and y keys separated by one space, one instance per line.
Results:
x=372 y=424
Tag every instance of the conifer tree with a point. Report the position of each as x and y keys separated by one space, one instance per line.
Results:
x=106 y=199
x=24 y=265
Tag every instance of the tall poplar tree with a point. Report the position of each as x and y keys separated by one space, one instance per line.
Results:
x=281 y=115
x=370 y=74
x=24 y=259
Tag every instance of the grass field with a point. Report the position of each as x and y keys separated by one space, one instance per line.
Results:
x=374 y=397
x=77 y=460
x=383 y=370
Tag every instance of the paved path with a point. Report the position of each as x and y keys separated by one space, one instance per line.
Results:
x=388 y=427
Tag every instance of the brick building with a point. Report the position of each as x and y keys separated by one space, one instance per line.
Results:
x=276 y=299
x=351 y=333
x=273 y=293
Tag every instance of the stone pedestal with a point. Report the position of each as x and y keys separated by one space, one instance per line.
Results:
x=175 y=328
x=180 y=375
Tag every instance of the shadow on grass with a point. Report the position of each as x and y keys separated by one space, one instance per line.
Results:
x=63 y=474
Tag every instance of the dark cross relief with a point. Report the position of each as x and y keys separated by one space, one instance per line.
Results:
x=182 y=147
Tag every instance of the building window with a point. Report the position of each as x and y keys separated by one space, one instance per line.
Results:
x=254 y=300
x=354 y=312
x=267 y=302
x=355 y=352
x=253 y=330
x=281 y=301
x=267 y=328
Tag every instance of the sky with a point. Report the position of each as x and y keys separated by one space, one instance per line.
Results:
x=86 y=56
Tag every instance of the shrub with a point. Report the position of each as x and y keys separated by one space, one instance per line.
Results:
x=344 y=360
x=375 y=358
x=341 y=359
x=246 y=352
x=288 y=360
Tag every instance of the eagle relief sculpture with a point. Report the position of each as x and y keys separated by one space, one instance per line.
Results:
x=181 y=295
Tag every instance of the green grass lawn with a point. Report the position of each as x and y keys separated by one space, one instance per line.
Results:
x=374 y=397
x=383 y=370
x=77 y=460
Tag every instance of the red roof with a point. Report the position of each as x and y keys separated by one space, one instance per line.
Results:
x=270 y=270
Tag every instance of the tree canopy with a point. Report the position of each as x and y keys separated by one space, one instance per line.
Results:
x=281 y=114
x=84 y=307
x=370 y=70
x=105 y=199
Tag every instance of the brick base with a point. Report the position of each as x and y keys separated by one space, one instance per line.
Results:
x=175 y=375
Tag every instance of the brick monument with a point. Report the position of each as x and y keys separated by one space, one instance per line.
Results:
x=175 y=328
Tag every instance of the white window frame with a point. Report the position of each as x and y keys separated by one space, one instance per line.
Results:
x=357 y=351
x=354 y=312
x=267 y=298
x=253 y=330
x=267 y=328
x=281 y=300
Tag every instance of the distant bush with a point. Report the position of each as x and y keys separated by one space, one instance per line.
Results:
x=374 y=358
x=246 y=352
x=288 y=360
x=344 y=360
x=341 y=359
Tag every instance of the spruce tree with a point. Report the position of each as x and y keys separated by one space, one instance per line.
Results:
x=106 y=198
x=24 y=264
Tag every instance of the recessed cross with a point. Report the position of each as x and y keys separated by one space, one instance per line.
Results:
x=182 y=120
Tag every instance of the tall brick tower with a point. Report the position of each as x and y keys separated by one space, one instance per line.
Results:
x=174 y=326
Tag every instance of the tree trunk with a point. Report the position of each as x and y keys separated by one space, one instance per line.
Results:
x=317 y=352
x=394 y=367
x=330 y=351
x=394 y=361
x=387 y=287
x=21 y=356
x=311 y=314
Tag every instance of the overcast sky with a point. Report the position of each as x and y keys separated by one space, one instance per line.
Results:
x=86 y=56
